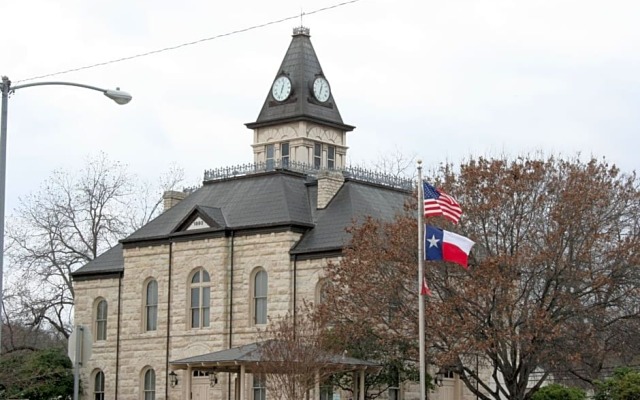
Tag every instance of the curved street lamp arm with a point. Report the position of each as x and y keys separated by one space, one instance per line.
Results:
x=116 y=95
x=26 y=85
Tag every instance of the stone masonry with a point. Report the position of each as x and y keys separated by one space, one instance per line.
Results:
x=137 y=350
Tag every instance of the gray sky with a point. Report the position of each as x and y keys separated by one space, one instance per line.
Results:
x=436 y=79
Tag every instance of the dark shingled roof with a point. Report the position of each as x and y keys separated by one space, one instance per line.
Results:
x=301 y=65
x=354 y=201
x=109 y=262
x=267 y=201
x=250 y=354
x=253 y=201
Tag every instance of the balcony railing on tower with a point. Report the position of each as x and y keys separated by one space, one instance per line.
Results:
x=354 y=173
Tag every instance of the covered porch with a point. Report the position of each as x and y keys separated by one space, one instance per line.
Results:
x=248 y=359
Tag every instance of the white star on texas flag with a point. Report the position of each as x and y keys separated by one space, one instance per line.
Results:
x=433 y=242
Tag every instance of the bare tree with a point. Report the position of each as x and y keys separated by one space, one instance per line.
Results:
x=293 y=358
x=69 y=222
x=394 y=163
x=147 y=202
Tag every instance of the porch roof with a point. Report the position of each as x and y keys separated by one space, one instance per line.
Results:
x=249 y=356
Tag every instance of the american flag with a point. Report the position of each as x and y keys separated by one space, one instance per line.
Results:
x=437 y=202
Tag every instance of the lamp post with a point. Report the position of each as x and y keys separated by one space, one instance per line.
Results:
x=116 y=95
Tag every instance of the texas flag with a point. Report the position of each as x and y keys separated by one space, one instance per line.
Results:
x=446 y=246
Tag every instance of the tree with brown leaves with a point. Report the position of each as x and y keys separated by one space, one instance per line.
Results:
x=552 y=288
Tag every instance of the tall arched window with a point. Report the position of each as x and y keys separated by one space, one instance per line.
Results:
x=260 y=297
x=200 y=298
x=98 y=386
x=321 y=291
x=151 y=306
x=101 y=320
x=149 y=388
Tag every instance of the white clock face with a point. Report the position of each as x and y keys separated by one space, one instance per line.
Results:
x=281 y=88
x=321 y=89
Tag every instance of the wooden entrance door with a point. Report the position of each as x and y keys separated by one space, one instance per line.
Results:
x=200 y=385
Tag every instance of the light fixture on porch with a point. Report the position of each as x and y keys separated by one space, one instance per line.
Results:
x=213 y=379
x=173 y=379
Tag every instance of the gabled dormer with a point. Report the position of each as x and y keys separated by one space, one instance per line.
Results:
x=299 y=121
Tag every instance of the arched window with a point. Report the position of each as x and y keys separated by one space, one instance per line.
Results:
x=101 y=320
x=321 y=291
x=259 y=387
x=149 y=388
x=98 y=386
x=151 y=306
x=200 y=298
x=260 y=281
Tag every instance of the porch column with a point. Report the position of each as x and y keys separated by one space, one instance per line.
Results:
x=317 y=387
x=361 y=391
x=242 y=385
x=187 y=382
x=354 y=384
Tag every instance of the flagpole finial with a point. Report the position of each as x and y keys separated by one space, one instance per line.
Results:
x=419 y=161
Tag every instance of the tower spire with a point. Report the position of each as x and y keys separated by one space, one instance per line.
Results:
x=299 y=122
x=300 y=90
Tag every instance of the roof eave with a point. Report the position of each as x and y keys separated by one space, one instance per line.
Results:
x=333 y=124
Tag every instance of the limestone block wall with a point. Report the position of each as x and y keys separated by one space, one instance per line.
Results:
x=269 y=252
x=172 y=266
x=329 y=183
x=87 y=294
x=141 y=349
x=310 y=275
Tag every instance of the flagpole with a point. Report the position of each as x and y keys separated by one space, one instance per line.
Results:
x=421 y=323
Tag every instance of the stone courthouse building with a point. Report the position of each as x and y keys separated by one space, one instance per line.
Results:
x=185 y=295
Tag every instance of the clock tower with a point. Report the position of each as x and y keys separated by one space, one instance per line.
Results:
x=299 y=122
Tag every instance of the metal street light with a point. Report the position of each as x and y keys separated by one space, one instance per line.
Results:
x=116 y=95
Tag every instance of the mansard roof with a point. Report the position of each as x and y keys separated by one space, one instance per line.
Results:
x=256 y=201
x=354 y=201
x=275 y=200
x=301 y=65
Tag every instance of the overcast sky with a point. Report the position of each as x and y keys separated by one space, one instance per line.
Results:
x=440 y=80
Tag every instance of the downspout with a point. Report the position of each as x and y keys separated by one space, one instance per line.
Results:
x=478 y=373
x=230 y=308
x=118 y=330
x=166 y=368
x=231 y=290
x=295 y=285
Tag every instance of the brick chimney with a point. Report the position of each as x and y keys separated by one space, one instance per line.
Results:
x=329 y=182
x=172 y=197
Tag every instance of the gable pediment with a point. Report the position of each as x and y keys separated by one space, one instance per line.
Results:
x=197 y=223
x=201 y=218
